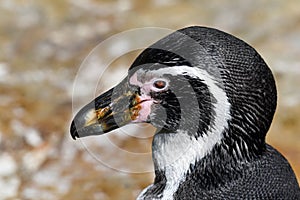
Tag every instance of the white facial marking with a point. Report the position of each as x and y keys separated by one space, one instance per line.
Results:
x=133 y=80
x=175 y=154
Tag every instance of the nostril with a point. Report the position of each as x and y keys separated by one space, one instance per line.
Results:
x=138 y=91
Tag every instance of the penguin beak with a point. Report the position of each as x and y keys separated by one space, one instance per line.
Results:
x=111 y=110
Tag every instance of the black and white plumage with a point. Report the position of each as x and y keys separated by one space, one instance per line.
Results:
x=212 y=99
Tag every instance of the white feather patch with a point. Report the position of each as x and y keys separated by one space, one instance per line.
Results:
x=179 y=151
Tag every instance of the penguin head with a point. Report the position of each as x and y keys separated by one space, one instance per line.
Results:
x=197 y=80
x=177 y=99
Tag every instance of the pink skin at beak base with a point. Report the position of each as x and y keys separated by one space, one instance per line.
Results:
x=144 y=111
x=146 y=101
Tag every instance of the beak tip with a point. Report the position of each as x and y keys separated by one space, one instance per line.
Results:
x=73 y=131
x=97 y=117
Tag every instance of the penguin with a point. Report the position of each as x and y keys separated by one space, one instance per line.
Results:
x=212 y=99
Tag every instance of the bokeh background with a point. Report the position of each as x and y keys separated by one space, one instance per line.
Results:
x=43 y=44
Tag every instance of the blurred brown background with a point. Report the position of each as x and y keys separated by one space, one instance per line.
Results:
x=42 y=46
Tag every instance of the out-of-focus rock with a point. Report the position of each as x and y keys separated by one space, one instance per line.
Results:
x=32 y=160
x=9 y=181
x=8 y=165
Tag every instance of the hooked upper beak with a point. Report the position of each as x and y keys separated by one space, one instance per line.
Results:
x=111 y=110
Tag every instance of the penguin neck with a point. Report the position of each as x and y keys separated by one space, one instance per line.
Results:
x=179 y=157
x=177 y=154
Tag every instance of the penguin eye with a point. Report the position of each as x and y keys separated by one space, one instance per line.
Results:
x=159 y=84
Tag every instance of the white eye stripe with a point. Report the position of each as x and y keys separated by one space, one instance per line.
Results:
x=166 y=158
